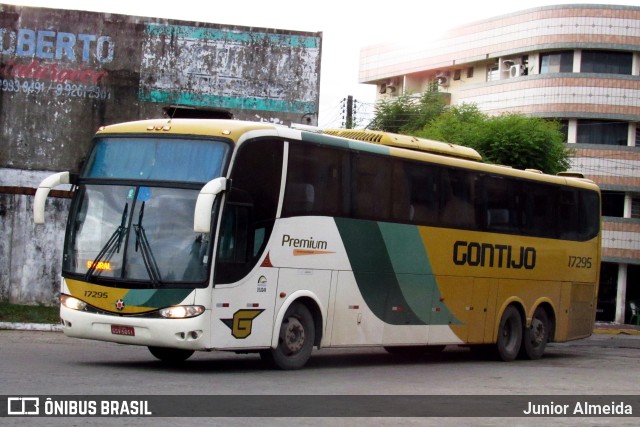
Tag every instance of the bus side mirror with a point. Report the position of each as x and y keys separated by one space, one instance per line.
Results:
x=204 y=204
x=43 y=191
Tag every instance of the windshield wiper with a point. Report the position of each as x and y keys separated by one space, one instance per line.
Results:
x=112 y=245
x=147 y=254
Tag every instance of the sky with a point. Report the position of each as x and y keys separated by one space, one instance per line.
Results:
x=347 y=26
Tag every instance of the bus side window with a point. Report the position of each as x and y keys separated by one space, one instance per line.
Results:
x=459 y=208
x=589 y=214
x=250 y=210
x=567 y=214
x=370 y=187
x=232 y=245
x=300 y=197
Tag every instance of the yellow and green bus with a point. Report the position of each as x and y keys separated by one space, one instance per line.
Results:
x=199 y=234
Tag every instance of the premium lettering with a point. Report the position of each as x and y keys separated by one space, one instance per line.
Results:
x=476 y=254
x=309 y=243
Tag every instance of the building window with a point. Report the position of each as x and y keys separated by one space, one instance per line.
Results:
x=564 y=128
x=613 y=204
x=606 y=311
x=556 y=62
x=493 y=72
x=635 y=206
x=456 y=74
x=605 y=132
x=607 y=62
x=469 y=72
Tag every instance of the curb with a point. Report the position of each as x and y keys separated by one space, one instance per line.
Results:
x=616 y=331
x=42 y=327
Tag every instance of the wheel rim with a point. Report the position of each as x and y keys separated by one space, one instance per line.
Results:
x=293 y=336
x=538 y=332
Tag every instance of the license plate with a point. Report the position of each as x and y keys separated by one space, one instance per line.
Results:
x=123 y=330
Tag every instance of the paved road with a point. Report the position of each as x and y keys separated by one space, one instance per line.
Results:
x=48 y=363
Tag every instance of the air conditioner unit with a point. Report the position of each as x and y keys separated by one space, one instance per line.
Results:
x=443 y=81
x=442 y=77
x=516 y=70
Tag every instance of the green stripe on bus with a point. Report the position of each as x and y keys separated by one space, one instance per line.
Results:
x=412 y=267
x=393 y=272
x=345 y=143
x=155 y=298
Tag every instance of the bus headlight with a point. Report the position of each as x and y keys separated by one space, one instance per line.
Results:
x=182 y=311
x=72 y=303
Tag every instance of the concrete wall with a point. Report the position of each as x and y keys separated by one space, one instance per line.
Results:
x=65 y=73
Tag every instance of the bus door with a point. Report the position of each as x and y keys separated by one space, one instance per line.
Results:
x=244 y=281
x=471 y=307
x=482 y=310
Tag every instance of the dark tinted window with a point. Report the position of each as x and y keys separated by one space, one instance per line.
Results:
x=603 y=61
x=250 y=210
x=317 y=181
x=612 y=204
x=336 y=182
x=605 y=132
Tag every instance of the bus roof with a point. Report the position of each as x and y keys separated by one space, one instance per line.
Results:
x=233 y=129
x=409 y=142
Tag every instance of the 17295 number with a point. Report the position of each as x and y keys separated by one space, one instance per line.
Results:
x=579 y=262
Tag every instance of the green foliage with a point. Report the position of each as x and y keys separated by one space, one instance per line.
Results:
x=511 y=139
x=457 y=125
x=524 y=142
x=28 y=313
x=407 y=114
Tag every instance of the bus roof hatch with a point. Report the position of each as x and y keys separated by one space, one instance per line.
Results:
x=408 y=142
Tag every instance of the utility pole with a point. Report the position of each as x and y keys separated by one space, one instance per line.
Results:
x=349 y=120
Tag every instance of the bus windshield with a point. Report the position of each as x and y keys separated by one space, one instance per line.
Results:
x=158 y=159
x=140 y=230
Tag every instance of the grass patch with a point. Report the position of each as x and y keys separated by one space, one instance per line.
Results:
x=28 y=313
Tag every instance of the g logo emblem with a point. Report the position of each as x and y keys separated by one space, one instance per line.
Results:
x=242 y=322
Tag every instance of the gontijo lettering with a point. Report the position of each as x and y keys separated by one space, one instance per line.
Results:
x=309 y=243
x=476 y=254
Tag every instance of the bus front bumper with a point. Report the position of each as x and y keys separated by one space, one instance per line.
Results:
x=189 y=334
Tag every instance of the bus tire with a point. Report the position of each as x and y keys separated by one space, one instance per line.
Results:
x=535 y=338
x=295 y=340
x=170 y=355
x=509 y=334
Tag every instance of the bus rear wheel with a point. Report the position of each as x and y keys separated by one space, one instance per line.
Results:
x=170 y=355
x=509 y=334
x=536 y=337
x=295 y=340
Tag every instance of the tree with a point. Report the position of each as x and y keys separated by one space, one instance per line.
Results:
x=457 y=125
x=407 y=114
x=510 y=139
x=524 y=142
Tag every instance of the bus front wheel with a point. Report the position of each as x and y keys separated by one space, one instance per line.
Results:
x=295 y=340
x=509 y=334
x=536 y=337
x=170 y=355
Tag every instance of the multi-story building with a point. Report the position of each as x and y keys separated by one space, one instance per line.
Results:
x=579 y=64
